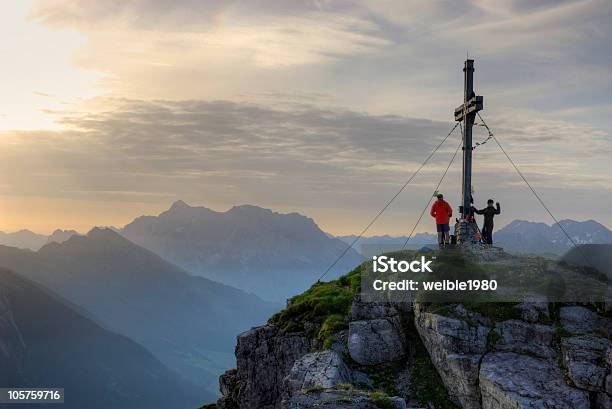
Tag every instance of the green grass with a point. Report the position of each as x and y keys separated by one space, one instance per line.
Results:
x=332 y=324
x=315 y=389
x=381 y=400
x=325 y=306
x=345 y=387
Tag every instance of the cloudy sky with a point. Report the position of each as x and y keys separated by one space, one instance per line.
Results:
x=112 y=109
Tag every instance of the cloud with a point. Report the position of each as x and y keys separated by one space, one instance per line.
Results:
x=268 y=34
x=232 y=102
x=234 y=151
x=377 y=56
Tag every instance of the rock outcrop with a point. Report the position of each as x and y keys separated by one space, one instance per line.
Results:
x=372 y=342
x=534 y=312
x=278 y=370
x=456 y=349
x=525 y=338
x=516 y=363
x=584 y=356
x=264 y=357
x=317 y=370
x=342 y=399
x=375 y=333
x=532 y=355
x=578 y=320
x=509 y=381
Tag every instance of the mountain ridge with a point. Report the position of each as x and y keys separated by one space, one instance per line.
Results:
x=518 y=236
x=526 y=237
x=45 y=342
x=23 y=238
x=124 y=286
x=246 y=246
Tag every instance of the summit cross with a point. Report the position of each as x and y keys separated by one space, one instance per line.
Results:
x=466 y=113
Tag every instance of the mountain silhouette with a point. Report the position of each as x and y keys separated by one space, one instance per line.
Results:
x=60 y=236
x=525 y=237
x=416 y=241
x=188 y=322
x=598 y=256
x=46 y=343
x=23 y=239
x=248 y=247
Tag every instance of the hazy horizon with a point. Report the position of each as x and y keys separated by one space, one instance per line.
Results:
x=112 y=110
x=424 y=226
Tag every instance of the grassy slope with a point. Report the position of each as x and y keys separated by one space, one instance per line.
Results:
x=322 y=310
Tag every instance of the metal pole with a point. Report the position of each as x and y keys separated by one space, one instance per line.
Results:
x=468 y=70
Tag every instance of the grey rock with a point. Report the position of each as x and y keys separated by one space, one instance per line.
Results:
x=534 y=312
x=229 y=385
x=608 y=384
x=377 y=341
x=455 y=349
x=340 y=342
x=583 y=357
x=522 y=337
x=512 y=381
x=579 y=320
x=362 y=310
x=264 y=357
x=228 y=381
x=317 y=370
x=459 y=311
x=338 y=399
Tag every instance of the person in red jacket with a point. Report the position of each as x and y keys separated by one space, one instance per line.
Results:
x=442 y=212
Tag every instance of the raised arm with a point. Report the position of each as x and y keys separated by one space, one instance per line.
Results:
x=498 y=210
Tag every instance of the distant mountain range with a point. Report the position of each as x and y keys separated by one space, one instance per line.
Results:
x=188 y=322
x=23 y=239
x=270 y=254
x=520 y=236
x=60 y=236
x=418 y=240
x=26 y=239
x=45 y=342
x=598 y=256
x=526 y=237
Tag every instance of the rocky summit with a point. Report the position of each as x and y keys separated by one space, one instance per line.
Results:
x=330 y=348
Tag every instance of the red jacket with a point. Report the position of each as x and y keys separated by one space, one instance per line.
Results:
x=442 y=211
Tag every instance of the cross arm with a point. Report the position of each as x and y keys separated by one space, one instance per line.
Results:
x=475 y=104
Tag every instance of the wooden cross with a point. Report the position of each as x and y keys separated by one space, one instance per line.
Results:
x=466 y=113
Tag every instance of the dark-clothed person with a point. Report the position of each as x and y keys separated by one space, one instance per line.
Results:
x=488 y=212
